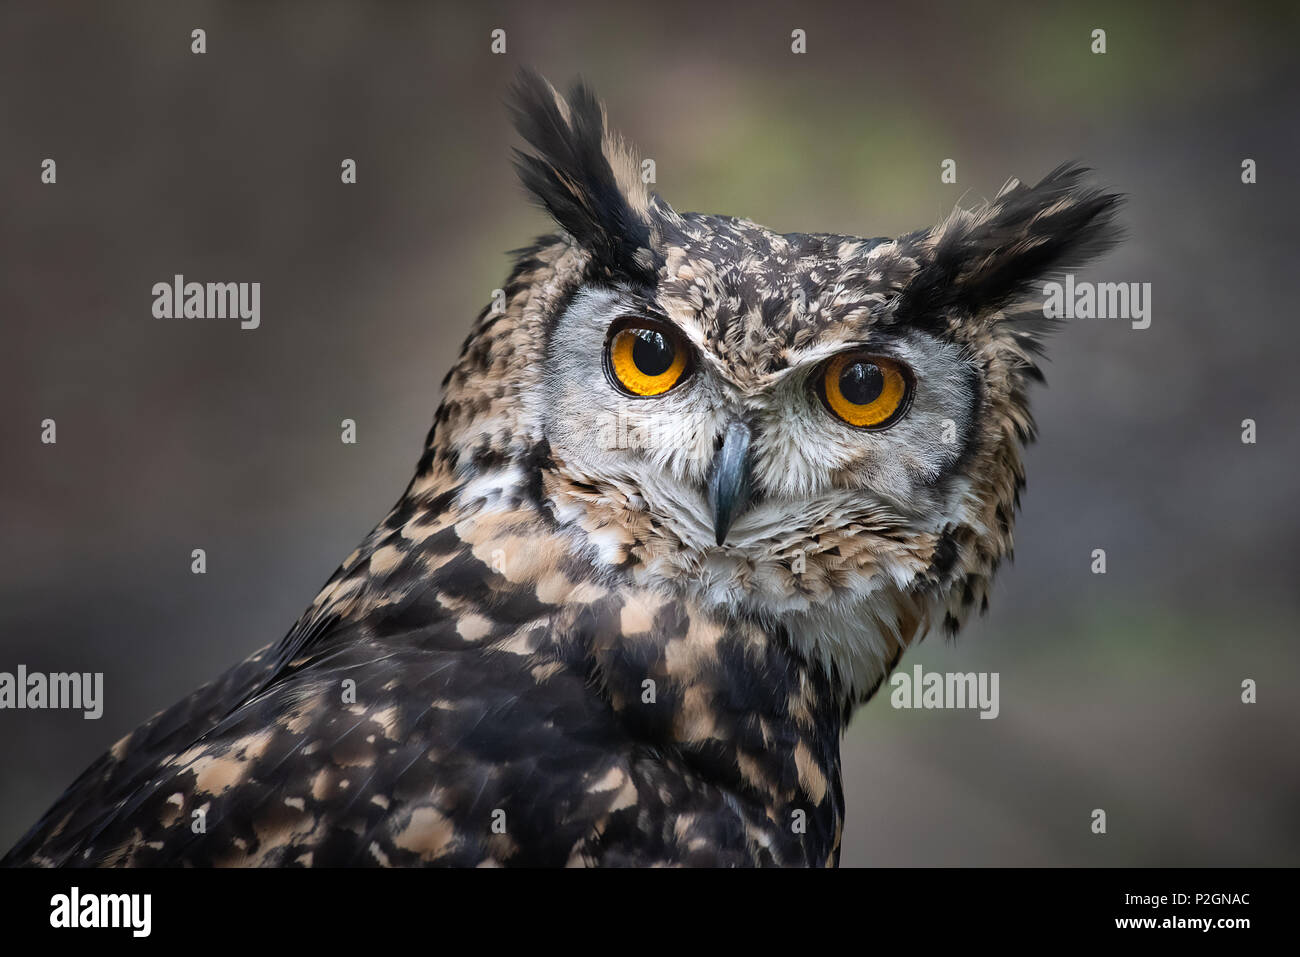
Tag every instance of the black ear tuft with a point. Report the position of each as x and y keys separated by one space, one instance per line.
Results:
x=987 y=259
x=582 y=174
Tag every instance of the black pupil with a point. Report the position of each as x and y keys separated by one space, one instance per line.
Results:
x=861 y=383
x=652 y=353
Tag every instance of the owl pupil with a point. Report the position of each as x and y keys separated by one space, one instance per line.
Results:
x=861 y=383
x=652 y=353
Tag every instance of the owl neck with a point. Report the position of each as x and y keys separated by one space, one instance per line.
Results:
x=731 y=704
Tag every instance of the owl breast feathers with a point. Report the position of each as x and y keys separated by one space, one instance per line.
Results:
x=688 y=497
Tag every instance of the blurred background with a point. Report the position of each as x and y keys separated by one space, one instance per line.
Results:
x=1118 y=691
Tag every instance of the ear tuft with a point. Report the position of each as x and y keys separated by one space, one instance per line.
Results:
x=987 y=259
x=582 y=173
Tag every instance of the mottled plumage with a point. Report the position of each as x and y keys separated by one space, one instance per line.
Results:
x=543 y=655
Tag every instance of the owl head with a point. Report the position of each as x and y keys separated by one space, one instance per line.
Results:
x=819 y=432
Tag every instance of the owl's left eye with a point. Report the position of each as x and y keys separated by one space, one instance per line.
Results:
x=865 y=391
x=646 y=358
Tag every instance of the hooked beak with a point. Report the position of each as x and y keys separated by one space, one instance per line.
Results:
x=729 y=481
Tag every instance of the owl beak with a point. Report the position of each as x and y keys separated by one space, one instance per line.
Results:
x=729 y=481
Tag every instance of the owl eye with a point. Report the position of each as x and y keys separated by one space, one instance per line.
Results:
x=865 y=391
x=646 y=358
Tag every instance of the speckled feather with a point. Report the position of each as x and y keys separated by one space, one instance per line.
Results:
x=529 y=662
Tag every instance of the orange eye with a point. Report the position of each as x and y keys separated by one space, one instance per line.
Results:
x=867 y=392
x=646 y=358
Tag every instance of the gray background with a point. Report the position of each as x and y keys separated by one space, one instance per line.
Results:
x=1118 y=691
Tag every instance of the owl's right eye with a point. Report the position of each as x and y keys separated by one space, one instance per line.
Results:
x=646 y=358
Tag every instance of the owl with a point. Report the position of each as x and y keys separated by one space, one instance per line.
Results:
x=692 y=490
